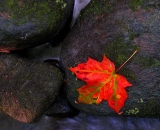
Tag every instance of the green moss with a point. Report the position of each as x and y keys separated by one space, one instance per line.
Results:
x=146 y=62
x=119 y=50
x=128 y=73
x=140 y=100
x=98 y=8
x=63 y=4
x=145 y=4
x=33 y=11
x=150 y=108
x=133 y=111
x=133 y=35
x=134 y=4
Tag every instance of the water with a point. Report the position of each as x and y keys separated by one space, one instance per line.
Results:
x=78 y=6
x=82 y=122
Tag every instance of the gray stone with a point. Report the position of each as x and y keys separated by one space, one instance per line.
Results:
x=61 y=107
x=117 y=30
x=27 y=89
x=29 y=23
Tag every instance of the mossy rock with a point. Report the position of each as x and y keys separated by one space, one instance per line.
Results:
x=30 y=23
x=27 y=88
x=117 y=35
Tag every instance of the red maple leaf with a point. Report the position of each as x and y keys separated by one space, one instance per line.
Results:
x=102 y=83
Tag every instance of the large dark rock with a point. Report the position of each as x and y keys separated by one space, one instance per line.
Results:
x=30 y=23
x=117 y=30
x=27 y=89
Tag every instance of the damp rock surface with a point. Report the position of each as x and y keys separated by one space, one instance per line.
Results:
x=29 y=23
x=117 y=30
x=27 y=89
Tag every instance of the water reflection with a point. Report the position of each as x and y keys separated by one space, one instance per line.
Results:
x=82 y=122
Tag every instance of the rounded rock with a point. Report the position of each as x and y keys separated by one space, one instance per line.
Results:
x=29 y=23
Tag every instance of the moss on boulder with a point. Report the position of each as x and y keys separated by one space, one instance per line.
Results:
x=118 y=34
x=30 y=23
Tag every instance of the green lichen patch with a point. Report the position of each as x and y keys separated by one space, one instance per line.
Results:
x=98 y=8
x=146 y=62
x=24 y=11
x=119 y=50
x=145 y=4
x=147 y=108
x=150 y=108
x=133 y=111
x=63 y=4
x=134 y=4
x=140 y=100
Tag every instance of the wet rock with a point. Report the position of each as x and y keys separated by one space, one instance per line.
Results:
x=30 y=23
x=117 y=30
x=42 y=52
x=27 y=88
x=61 y=106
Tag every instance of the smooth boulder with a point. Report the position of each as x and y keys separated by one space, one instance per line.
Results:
x=117 y=30
x=27 y=88
x=30 y=23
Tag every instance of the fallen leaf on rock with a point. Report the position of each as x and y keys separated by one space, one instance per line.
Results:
x=102 y=83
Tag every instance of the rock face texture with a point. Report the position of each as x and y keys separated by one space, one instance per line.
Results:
x=27 y=89
x=117 y=30
x=30 y=23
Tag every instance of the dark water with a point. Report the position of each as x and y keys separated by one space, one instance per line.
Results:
x=82 y=122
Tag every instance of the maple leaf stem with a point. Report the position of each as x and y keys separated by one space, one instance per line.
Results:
x=127 y=60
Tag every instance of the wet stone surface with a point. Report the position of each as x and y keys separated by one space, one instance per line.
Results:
x=27 y=88
x=29 y=23
x=117 y=33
